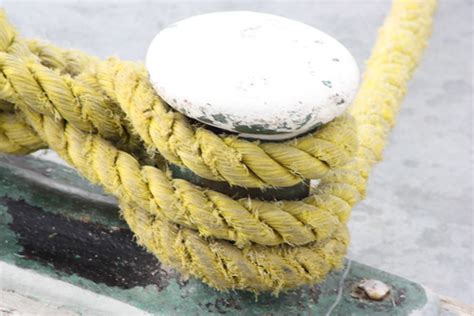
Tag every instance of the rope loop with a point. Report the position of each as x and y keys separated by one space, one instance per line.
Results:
x=104 y=118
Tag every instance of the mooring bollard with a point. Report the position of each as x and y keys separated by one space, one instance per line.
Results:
x=257 y=76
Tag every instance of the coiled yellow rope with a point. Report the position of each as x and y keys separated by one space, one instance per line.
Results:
x=96 y=114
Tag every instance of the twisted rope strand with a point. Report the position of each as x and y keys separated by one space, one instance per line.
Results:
x=17 y=137
x=50 y=81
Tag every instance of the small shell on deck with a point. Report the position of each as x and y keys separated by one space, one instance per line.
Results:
x=374 y=289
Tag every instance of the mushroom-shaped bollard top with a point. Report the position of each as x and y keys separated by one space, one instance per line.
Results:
x=258 y=75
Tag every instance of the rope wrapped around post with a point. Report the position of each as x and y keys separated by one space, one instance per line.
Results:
x=105 y=119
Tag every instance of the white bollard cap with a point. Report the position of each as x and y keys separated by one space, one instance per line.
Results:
x=259 y=75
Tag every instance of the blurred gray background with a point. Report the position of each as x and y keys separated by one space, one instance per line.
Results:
x=417 y=220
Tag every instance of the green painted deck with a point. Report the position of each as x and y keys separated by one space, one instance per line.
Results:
x=56 y=223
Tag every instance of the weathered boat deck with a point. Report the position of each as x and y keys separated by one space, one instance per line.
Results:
x=55 y=223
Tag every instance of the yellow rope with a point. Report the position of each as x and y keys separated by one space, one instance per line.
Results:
x=95 y=114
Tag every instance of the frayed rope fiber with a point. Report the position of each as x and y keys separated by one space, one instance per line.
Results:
x=105 y=119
